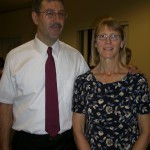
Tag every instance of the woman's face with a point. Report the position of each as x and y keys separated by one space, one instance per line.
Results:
x=108 y=43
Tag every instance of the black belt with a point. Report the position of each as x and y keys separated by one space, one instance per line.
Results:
x=44 y=136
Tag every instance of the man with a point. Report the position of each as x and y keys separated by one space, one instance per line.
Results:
x=22 y=86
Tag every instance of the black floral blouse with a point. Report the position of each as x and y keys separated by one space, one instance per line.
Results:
x=111 y=110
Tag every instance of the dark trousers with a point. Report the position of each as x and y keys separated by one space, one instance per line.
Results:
x=26 y=141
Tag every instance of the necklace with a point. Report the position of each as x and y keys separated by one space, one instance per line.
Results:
x=108 y=73
x=107 y=77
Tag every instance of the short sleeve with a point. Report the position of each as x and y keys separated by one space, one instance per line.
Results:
x=78 y=96
x=7 y=86
x=143 y=96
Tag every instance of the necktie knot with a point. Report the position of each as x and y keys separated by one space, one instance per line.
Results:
x=49 y=51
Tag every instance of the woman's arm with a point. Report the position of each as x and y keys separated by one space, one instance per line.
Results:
x=144 y=138
x=78 y=130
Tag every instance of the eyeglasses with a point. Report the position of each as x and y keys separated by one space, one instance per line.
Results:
x=104 y=37
x=52 y=14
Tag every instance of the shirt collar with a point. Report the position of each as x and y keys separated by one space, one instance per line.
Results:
x=42 y=47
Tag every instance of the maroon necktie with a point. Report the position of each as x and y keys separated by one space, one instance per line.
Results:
x=52 y=111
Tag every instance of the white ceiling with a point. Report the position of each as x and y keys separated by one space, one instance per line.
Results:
x=6 y=5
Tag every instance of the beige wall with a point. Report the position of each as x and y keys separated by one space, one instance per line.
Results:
x=82 y=14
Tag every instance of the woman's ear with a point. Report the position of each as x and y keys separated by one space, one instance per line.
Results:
x=122 y=44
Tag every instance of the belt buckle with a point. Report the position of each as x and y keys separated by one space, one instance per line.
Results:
x=53 y=138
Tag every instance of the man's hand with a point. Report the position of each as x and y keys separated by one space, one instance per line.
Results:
x=133 y=69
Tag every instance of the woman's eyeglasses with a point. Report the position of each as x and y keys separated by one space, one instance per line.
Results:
x=104 y=37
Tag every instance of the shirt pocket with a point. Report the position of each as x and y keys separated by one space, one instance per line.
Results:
x=30 y=79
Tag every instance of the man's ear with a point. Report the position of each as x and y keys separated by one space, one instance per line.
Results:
x=35 y=17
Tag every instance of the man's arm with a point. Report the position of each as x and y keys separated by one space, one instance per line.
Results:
x=5 y=125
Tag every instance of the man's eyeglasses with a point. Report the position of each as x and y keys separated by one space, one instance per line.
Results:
x=52 y=14
x=104 y=37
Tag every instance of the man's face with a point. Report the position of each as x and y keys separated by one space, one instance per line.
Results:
x=50 y=21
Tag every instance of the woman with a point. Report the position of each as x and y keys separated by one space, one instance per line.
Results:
x=111 y=107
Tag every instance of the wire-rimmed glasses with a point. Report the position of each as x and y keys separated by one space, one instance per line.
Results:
x=51 y=14
x=104 y=37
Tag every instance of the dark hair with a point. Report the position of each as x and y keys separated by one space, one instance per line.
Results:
x=114 y=25
x=36 y=4
x=1 y=62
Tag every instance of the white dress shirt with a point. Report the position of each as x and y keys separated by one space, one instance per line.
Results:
x=23 y=83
